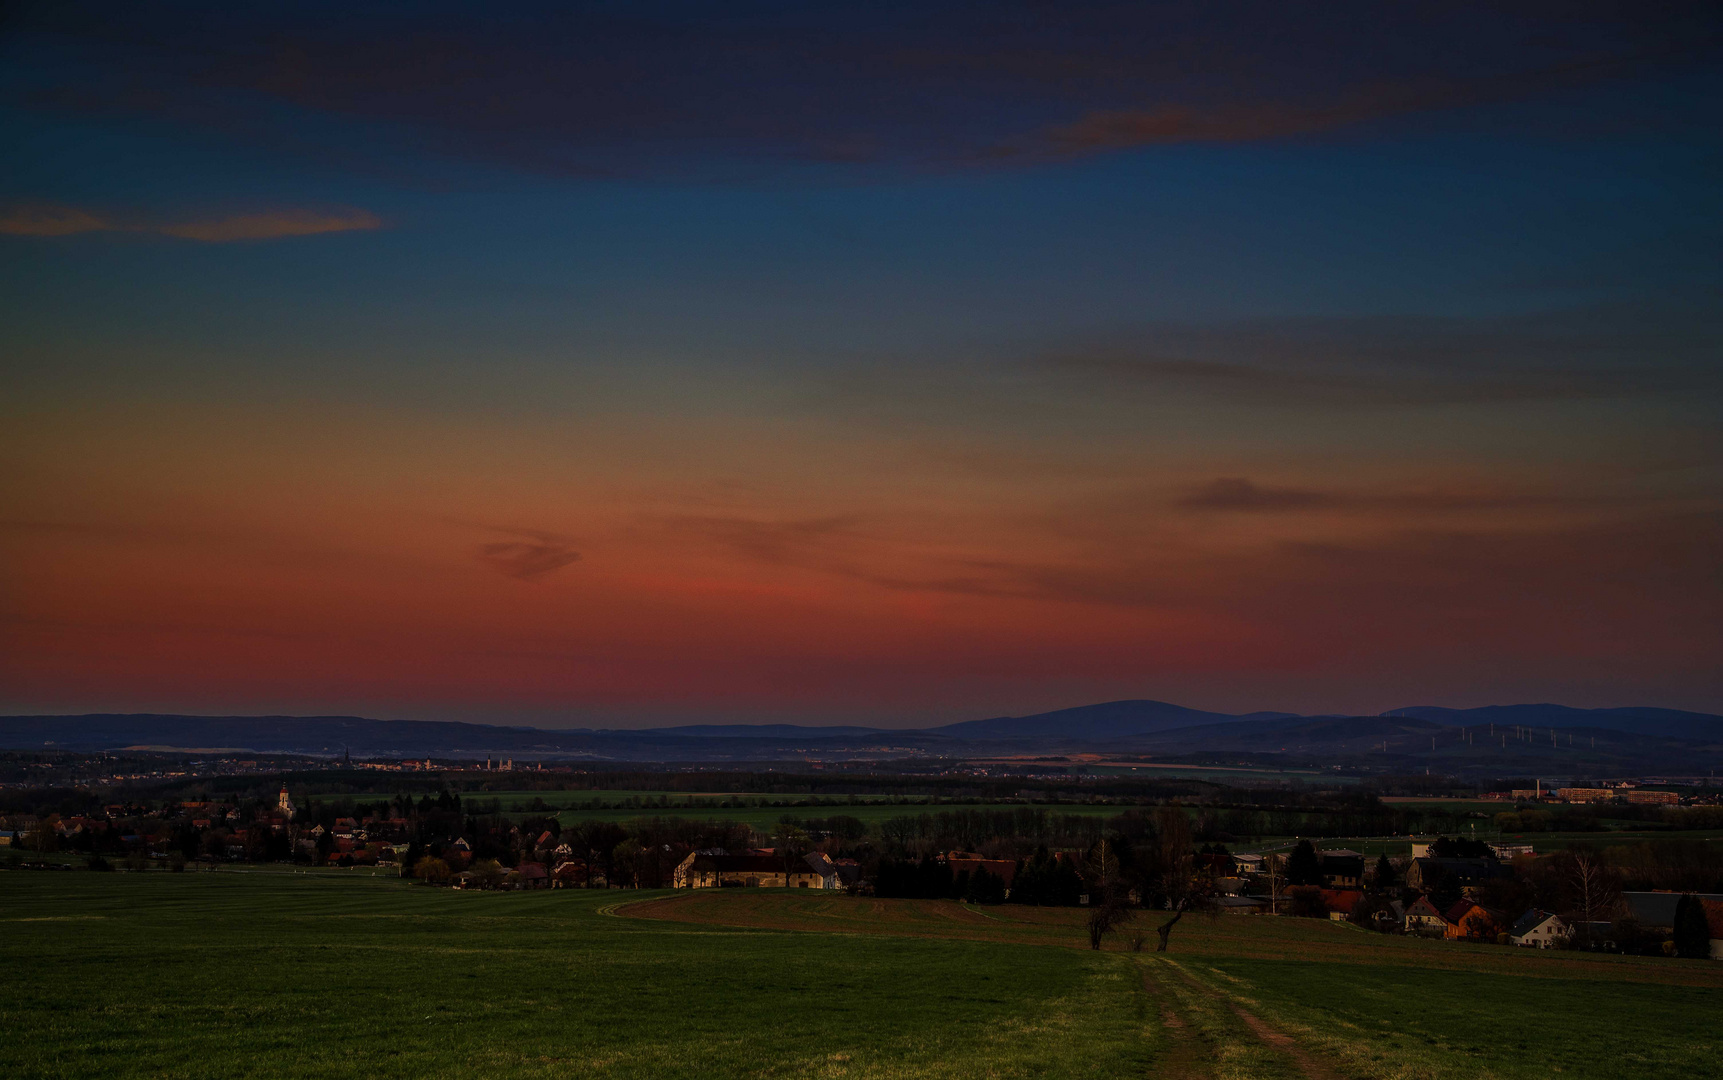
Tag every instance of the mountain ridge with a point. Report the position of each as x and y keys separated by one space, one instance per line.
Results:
x=1138 y=725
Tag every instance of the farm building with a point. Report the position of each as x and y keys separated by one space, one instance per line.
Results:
x=703 y=870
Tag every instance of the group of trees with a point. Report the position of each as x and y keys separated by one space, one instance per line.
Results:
x=936 y=879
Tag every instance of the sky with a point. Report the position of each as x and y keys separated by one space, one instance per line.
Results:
x=612 y=365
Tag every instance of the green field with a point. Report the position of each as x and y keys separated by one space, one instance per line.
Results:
x=761 y=811
x=275 y=973
x=282 y=975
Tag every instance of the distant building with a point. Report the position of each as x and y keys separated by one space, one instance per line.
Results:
x=285 y=804
x=1508 y=852
x=1665 y=798
x=969 y=862
x=1423 y=918
x=1341 y=903
x=701 y=870
x=823 y=865
x=1585 y=794
x=1341 y=868
x=1468 y=921
x=1538 y=930
x=1425 y=874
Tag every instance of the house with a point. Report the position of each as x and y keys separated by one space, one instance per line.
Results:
x=969 y=862
x=1341 y=903
x=701 y=870
x=1423 y=918
x=1393 y=916
x=533 y=876
x=1538 y=930
x=1341 y=868
x=1241 y=905
x=1215 y=865
x=1470 y=922
x=568 y=874
x=1426 y=873
x=826 y=868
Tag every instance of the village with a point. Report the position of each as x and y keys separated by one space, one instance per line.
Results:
x=1655 y=898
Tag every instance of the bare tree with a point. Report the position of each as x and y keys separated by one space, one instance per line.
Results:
x=1273 y=866
x=1182 y=883
x=1109 y=907
x=1593 y=890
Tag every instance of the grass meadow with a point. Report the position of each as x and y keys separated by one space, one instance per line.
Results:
x=274 y=973
x=299 y=975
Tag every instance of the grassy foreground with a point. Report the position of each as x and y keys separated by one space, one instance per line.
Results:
x=283 y=974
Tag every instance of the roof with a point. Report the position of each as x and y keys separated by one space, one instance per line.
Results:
x=740 y=864
x=1422 y=906
x=1530 y=921
x=1458 y=910
x=1658 y=908
x=1341 y=900
x=1466 y=868
x=1714 y=916
x=1239 y=902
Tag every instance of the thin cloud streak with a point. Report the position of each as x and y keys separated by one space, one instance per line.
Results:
x=1240 y=494
x=57 y=221
x=659 y=88
x=538 y=555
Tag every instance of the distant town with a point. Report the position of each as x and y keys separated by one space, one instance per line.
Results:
x=1622 y=866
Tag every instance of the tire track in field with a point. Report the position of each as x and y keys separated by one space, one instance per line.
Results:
x=1309 y=1065
x=1186 y=1058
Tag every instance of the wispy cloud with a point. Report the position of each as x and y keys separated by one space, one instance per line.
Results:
x=537 y=555
x=49 y=220
x=1391 y=361
x=642 y=88
x=1239 y=494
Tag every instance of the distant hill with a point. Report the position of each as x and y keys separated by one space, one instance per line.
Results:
x=1595 y=742
x=1331 y=735
x=261 y=734
x=1672 y=723
x=1107 y=721
x=756 y=731
x=331 y=736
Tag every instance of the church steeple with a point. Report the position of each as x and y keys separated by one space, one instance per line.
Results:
x=284 y=804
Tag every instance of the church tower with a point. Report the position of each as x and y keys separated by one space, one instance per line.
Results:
x=284 y=804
